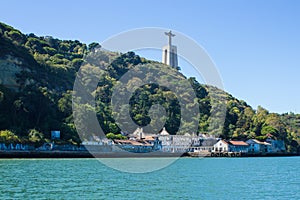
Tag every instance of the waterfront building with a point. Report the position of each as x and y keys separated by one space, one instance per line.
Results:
x=164 y=132
x=256 y=146
x=177 y=143
x=132 y=146
x=238 y=146
x=230 y=146
x=195 y=140
x=206 y=144
x=221 y=146
x=138 y=142
x=104 y=141
x=277 y=146
x=200 y=149
x=165 y=139
x=180 y=143
x=154 y=141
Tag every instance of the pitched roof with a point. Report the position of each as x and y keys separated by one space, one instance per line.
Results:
x=224 y=141
x=164 y=132
x=138 y=132
x=136 y=143
x=266 y=143
x=259 y=142
x=238 y=143
x=149 y=138
x=187 y=134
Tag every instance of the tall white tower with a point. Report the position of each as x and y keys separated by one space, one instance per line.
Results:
x=169 y=54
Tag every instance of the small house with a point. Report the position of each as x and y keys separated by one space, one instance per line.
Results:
x=256 y=146
x=230 y=146
x=238 y=146
x=133 y=146
x=277 y=146
x=221 y=146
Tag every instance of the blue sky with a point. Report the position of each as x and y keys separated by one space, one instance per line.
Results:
x=254 y=44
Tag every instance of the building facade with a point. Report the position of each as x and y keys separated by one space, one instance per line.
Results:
x=256 y=146
x=230 y=146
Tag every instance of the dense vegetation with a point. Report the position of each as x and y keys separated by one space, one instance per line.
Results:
x=42 y=99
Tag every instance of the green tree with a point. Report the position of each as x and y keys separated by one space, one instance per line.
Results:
x=94 y=45
x=259 y=119
x=269 y=130
x=113 y=136
x=8 y=137
x=36 y=137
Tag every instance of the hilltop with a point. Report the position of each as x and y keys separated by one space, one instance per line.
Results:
x=36 y=82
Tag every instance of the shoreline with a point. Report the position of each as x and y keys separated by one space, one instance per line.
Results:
x=86 y=154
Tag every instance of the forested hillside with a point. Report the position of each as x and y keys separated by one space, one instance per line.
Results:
x=36 y=82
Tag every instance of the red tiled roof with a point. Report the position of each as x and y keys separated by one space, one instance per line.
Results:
x=149 y=138
x=238 y=143
x=136 y=143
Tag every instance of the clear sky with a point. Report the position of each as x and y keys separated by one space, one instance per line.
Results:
x=254 y=44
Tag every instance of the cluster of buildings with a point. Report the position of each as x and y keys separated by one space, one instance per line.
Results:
x=164 y=142
x=251 y=146
x=141 y=142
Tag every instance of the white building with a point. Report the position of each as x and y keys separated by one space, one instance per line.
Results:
x=175 y=143
x=230 y=146
x=221 y=146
